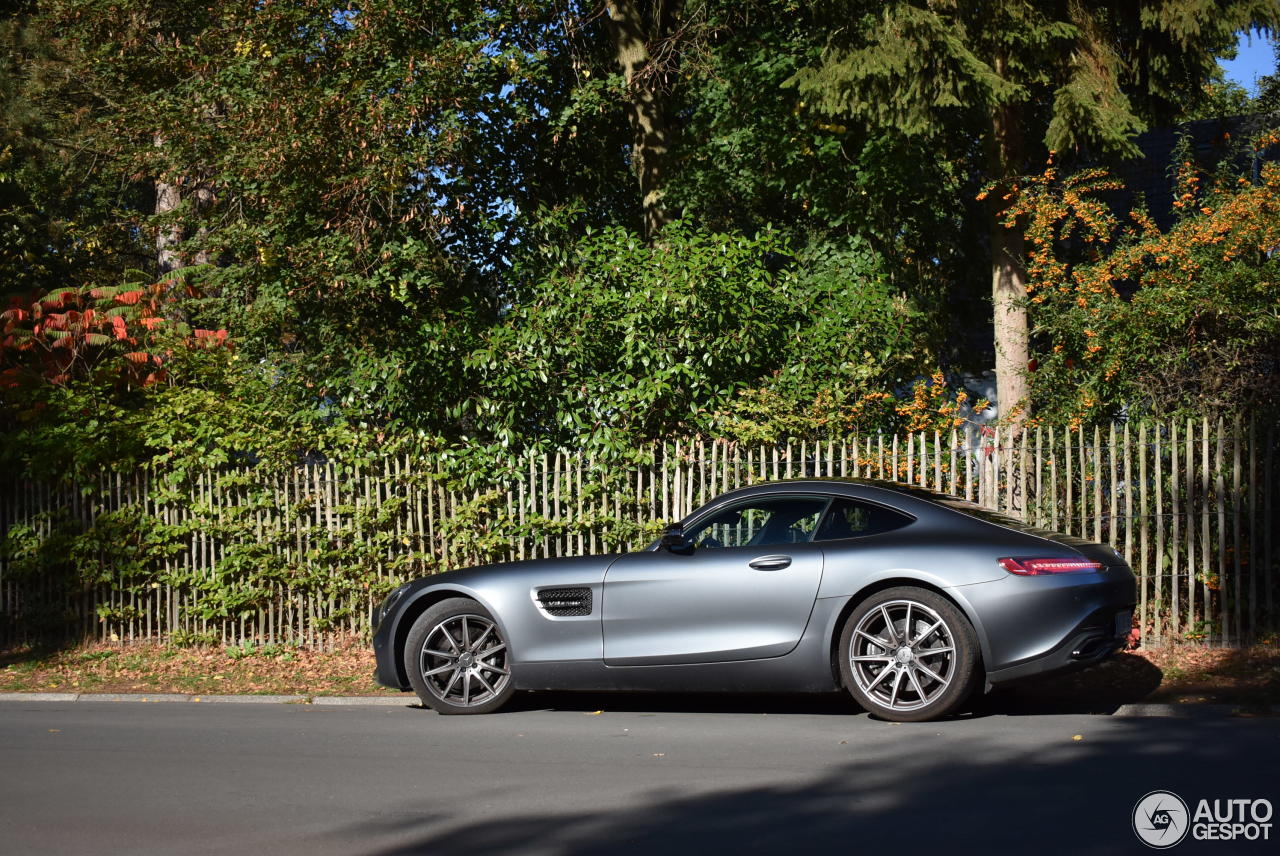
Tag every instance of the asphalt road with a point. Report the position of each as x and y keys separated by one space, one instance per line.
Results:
x=651 y=775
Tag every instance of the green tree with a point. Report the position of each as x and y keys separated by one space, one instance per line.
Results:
x=338 y=171
x=1268 y=98
x=624 y=342
x=369 y=198
x=1022 y=76
x=635 y=26
x=750 y=155
x=1200 y=333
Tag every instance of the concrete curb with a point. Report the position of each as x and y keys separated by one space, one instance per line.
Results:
x=236 y=699
x=1191 y=711
x=192 y=698
x=377 y=701
x=39 y=696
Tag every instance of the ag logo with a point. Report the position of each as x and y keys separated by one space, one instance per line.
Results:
x=1160 y=819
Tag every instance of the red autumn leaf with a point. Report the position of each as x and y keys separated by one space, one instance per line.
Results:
x=118 y=325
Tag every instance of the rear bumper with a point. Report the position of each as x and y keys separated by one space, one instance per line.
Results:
x=1036 y=624
x=1094 y=640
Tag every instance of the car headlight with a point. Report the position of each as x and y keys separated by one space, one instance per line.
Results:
x=380 y=611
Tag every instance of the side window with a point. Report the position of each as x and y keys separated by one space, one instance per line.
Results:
x=759 y=523
x=849 y=518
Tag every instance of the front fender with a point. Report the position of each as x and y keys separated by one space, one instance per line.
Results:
x=507 y=592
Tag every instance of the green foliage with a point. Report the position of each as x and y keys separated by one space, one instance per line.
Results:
x=1180 y=322
x=909 y=62
x=417 y=224
x=58 y=197
x=1023 y=79
x=755 y=154
x=1268 y=100
x=224 y=410
x=623 y=343
x=860 y=339
x=1079 y=74
x=223 y=543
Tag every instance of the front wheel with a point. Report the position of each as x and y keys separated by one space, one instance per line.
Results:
x=457 y=660
x=908 y=654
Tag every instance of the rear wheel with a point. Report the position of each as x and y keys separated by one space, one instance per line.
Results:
x=457 y=660
x=908 y=654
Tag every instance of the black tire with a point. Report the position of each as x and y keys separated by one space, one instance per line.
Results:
x=457 y=659
x=918 y=656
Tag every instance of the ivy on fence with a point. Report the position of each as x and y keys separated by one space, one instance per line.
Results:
x=272 y=553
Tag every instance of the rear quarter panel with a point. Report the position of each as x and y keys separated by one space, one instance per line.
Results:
x=1027 y=617
x=942 y=560
x=1014 y=617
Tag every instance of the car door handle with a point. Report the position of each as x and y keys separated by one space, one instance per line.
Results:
x=771 y=563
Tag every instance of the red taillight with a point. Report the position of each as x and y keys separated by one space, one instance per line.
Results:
x=1038 y=567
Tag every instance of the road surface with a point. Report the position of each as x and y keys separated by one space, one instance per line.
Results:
x=562 y=775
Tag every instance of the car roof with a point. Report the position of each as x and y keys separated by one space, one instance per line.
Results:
x=919 y=502
x=913 y=500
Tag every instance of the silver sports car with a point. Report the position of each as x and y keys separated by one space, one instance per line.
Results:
x=908 y=599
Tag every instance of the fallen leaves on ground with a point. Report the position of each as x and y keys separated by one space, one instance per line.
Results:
x=345 y=668
x=1188 y=674
x=1191 y=673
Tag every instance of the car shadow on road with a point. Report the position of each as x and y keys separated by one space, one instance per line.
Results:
x=925 y=789
x=645 y=702
x=1101 y=689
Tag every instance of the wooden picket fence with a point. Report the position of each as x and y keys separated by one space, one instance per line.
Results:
x=1189 y=504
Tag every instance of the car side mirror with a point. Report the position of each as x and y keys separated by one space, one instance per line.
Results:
x=674 y=541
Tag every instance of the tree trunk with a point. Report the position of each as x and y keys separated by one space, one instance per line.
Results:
x=1008 y=277
x=1009 y=314
x=168 y=197
x=632 y=25
x=203 y=197
x=170 y=236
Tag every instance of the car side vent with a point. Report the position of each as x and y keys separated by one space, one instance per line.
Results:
x=564 y=602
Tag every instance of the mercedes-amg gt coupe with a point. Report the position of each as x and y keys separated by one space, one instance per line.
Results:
x=910 y=600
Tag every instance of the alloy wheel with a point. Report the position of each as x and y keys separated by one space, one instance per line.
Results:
x=903 y=655
x=464 y=661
